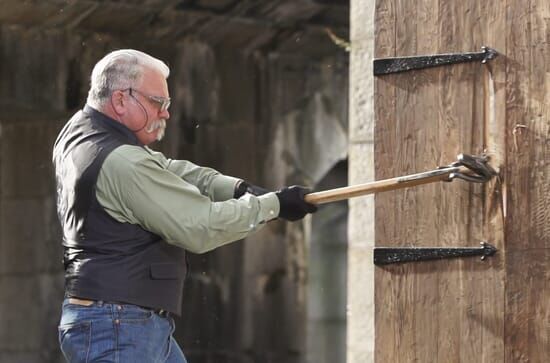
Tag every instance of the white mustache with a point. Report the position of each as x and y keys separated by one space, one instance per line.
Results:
x=159 y=125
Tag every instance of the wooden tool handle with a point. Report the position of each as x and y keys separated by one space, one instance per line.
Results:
x=333 y=195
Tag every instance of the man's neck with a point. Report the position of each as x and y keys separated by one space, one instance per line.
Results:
x=107 y=112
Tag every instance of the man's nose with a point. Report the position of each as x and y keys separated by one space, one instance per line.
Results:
x=165 y=114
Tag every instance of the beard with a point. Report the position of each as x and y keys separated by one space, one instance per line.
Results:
x=159 y=125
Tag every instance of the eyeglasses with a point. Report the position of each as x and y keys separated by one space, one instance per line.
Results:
x=162 y=102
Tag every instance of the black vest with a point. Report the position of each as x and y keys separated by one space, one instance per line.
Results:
x=105 y=259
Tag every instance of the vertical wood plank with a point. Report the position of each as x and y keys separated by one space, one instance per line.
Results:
x=453 y=83
x=491 y=31
x=527 y=331
x=428 y=223
x=404 y=234
x=517 y=94
x=527 y=312
x=387 y=286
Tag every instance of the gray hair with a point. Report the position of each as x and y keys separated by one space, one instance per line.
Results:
x=120 y=70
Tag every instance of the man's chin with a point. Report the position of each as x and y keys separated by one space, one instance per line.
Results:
x=156 y=128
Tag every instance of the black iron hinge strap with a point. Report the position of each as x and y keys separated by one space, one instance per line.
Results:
x=402 y=64
x=389 y=255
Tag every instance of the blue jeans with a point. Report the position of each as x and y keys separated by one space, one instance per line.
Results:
x=117 y=333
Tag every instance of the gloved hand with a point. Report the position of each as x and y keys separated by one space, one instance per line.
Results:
x=293 y=205
x=244 y=187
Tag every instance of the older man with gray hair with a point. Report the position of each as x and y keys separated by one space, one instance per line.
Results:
x=128 y=215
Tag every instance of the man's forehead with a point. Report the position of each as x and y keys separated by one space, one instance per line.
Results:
x=153 y=79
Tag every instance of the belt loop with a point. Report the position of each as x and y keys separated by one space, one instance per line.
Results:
x=100 y=303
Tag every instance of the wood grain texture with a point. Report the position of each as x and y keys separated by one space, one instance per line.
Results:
x=388 y=321
x=437 y=311
x=464 y=311
x=527 y=329
x=490 y=132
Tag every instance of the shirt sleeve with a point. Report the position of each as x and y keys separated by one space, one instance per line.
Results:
x=210 y=182
x=135 y=187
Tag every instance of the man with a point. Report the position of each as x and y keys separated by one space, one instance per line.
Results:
x=129 y=214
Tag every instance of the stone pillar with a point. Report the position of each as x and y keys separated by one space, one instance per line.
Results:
x=360 y=335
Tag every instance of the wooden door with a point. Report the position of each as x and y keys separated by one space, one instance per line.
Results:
x=465 y=310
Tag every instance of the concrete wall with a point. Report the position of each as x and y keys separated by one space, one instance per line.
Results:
x=233 y=110
x=33 y=103
x=360 y=342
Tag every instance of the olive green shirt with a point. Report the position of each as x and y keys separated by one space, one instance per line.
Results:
x=187 y=205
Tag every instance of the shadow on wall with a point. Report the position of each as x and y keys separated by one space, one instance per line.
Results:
x=327 y=277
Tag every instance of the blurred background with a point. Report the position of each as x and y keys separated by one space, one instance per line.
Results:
x=260 y=91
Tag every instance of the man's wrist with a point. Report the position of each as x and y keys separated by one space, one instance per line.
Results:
x=240 y=189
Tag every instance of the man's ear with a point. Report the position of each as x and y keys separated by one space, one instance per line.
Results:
x=118 y=102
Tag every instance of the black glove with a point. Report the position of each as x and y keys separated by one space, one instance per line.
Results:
x=293 y=205
x=244 y=187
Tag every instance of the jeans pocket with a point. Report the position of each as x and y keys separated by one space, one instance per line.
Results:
x=74 y=340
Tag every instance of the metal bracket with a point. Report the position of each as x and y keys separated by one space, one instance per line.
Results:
x=402 y=64
x=481 y=171
x=389 y=255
